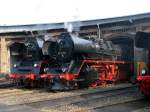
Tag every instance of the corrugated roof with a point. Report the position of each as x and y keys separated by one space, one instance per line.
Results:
x=50 y=26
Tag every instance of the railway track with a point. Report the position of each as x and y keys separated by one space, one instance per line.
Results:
x=21 y=96
x=141 y=105
x=5 y=83
x=72 y=101
x=87 y=102
x=77 y=98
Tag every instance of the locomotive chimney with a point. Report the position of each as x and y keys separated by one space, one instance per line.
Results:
x=98 y=32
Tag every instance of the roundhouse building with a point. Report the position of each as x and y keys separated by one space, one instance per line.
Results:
x=115 y=29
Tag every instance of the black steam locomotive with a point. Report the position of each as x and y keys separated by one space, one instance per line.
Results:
x=76 y=62
x=142 y=42
x=26 y=58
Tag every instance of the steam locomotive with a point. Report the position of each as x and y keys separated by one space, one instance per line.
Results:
x=142 y=41
x=70 y=62
x=26 y=58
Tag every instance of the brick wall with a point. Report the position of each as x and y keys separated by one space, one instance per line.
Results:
x=4 y=56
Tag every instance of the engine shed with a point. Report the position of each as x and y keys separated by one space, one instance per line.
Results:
x=117 y=29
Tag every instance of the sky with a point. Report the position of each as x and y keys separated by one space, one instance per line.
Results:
x=20 y=12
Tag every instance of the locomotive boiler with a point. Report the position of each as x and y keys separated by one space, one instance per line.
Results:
x=74 y=62
x=68 y=46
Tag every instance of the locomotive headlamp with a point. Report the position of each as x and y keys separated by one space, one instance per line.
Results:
x=35 y=65
x=143 y=72
x=15 y=65
x=46 y=69
x=64 y=69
